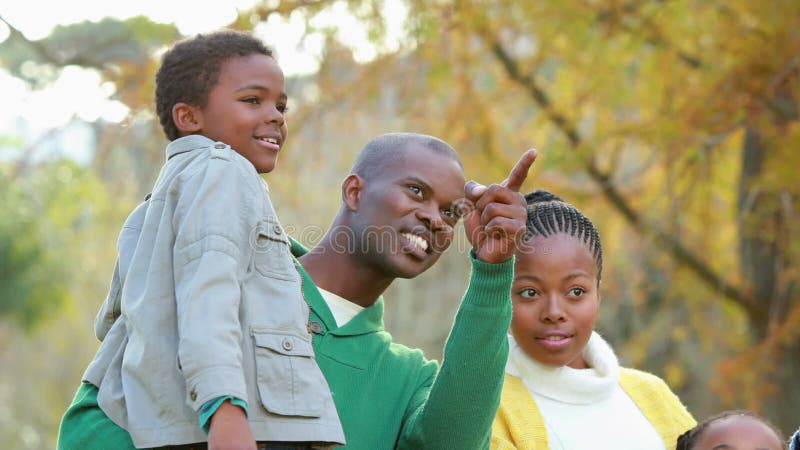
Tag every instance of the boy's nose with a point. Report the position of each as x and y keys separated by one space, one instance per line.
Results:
x=273 y=114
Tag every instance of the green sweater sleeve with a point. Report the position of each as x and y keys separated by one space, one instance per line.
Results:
x=456 y=407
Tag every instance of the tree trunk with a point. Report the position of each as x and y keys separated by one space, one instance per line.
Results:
x=764 y=255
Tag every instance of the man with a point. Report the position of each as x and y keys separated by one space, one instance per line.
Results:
x=399 y=208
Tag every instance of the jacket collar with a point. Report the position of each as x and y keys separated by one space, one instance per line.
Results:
x=369 y=320
x=187 y=143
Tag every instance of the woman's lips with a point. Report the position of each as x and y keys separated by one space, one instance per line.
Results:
x=555 y=341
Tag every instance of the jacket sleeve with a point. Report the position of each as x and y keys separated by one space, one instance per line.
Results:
x=457 y=408
x=126 y=243
x=212 y=229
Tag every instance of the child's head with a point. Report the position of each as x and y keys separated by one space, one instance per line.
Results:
x=733 y=430
x=556 y=290
x=225 y=86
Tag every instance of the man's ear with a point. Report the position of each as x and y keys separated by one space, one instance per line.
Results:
x=188 y=119
x=352 y=187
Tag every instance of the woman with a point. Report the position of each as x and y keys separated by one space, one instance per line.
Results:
x=564 y=388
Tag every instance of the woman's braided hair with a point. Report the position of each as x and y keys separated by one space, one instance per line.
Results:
x=548 y=214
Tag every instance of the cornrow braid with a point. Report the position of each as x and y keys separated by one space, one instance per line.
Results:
x=548 y=214
x=691 y=437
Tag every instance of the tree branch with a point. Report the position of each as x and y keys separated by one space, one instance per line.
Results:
x=667 y=240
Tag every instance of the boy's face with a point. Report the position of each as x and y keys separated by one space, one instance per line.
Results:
x=406 y=212
x=556 y=299
x=246 y=108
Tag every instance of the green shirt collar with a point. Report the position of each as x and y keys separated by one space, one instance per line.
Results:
x=369 y=320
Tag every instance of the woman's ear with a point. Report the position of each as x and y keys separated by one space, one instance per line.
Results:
x=352 y=186
x=188 y=119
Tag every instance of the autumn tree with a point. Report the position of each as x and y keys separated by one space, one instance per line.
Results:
x=679 y=117
x=671 y=124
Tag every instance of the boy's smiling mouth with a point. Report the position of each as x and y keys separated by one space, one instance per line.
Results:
x=269 y=142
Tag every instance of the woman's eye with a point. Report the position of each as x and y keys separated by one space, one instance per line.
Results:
x=251 y=100
x=527 y=293
x=283 y=109
x=576 y=292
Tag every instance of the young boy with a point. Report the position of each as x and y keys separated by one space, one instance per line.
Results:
x=212 y=329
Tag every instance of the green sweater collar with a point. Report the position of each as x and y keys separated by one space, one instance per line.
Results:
x=369 y=320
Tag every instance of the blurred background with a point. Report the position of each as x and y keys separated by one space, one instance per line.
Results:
x=674 y=125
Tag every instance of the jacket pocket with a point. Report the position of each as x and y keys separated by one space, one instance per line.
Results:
x=272 y=255
x=289 y=381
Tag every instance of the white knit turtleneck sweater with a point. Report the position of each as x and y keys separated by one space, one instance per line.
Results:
x=584 y=408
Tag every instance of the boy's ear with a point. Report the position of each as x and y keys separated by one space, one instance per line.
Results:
x=352 y=186
x=188 y=119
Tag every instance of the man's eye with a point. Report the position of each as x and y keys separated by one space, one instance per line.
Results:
x=461 y=207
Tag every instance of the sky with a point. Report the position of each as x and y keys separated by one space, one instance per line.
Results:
x=80 y=93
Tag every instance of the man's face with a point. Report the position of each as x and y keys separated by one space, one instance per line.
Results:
x=407 y=211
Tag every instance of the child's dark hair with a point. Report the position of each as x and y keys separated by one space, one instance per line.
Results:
x=548 y=215
x=689 y=438
x=191 y=68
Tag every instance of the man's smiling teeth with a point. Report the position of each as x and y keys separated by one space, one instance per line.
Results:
x=416 y=240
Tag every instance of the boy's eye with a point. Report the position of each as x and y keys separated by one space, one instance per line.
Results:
x=416 y=190
x=527 y=293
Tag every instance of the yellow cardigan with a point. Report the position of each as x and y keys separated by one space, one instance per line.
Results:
x=519 y=424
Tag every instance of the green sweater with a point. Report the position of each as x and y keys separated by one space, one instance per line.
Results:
x=389 y=396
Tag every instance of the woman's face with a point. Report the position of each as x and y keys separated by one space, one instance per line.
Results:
x=556 y=299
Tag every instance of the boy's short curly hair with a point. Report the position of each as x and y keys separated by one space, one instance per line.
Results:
x=191 y=68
